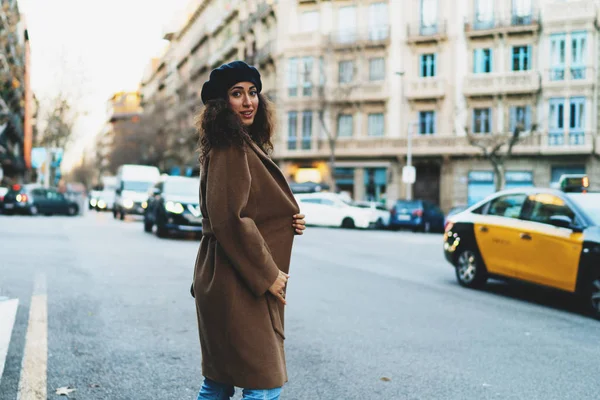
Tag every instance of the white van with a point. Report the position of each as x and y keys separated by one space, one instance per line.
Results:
x=133 y=182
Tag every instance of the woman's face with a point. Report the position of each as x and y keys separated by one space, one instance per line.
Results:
x=243 y=99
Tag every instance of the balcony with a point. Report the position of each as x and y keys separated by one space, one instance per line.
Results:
x=221 y=53
x=420 y=33
x=364 y=92
x=265 y=53
x=199 y=64
x=425 y=88
x=518 y=82
x=573 y=77
x=374 y=37
x=305 y=40
x=488 y=25
x=558 y=14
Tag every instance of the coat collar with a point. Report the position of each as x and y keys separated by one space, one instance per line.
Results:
x=275 y=171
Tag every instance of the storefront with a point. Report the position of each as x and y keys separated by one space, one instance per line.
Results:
x=481 y=183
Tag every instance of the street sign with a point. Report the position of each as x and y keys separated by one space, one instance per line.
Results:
x=38 y=156
x=409 y=174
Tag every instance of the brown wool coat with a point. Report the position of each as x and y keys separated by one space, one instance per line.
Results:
x=248 y=208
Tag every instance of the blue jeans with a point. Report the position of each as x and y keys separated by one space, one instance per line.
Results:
x=212 y=390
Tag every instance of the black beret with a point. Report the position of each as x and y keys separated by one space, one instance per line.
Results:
x=223 y=78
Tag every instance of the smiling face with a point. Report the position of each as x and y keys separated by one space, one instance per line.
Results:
x=243 y=99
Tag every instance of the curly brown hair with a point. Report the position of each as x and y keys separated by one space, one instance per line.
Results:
x=219 y=126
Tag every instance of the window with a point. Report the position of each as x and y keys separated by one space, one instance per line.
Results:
x=309 y=21
x=522 y=11
x=556 y=124
x=292 y=130
x=345 y=125
x=482 y=120
x=577 y=121
x=377 y=69
x=293 y=77
x=482 y=61
x=375 y=123
x=347 y=24
x=484 y=14
x=307 y=64
x=426 y=122
x=428 y=65
x=520 y=116
x=521 y=56
x=429 y=17
x=578 y=46
x=321 y=72
x=543 y=206
x=557 y=56
x=346 y=71
x=378 y=21
x=307 y=117
x=508 y=206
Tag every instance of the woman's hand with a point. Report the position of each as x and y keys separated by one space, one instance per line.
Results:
x=299 y=224
x=278 y=288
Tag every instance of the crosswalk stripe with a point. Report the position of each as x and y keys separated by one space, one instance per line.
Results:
x=8 y=312
x=32 y=385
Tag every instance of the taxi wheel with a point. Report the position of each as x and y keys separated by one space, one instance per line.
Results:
x=595 y=298
x=470 y=271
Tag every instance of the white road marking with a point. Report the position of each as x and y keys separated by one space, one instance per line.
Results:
x=8 y=312
x=32 y=385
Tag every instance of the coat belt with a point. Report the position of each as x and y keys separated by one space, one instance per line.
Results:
x=207 y=227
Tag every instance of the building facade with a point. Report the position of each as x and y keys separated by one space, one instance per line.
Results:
x=213 y=33
x=15 y=95
x=366 y=73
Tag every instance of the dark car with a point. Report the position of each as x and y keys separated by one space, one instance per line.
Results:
x=418 y=215
x=173 y=206
x=540 y=236
x=34 y=199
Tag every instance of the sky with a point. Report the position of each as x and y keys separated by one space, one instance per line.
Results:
x=91 y=49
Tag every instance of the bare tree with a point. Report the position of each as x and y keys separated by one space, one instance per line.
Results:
x=335 y=97
x=498 y=148
x=57 y=124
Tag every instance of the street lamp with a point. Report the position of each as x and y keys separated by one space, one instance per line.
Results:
x=408 y=171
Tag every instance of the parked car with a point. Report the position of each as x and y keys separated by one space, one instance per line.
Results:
x=173 y=205
x=330 y=209
x=540 y=236
x=418 y=215
x=34 y=199
x=132 y=184
x=308 y=187
x=3 y=191
x=380 y=215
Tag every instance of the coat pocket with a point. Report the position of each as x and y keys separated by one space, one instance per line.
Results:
x=275 y=315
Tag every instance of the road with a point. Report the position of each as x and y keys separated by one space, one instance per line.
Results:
x=104 y=308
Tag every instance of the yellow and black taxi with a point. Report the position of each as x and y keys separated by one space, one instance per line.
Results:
x=548 y=237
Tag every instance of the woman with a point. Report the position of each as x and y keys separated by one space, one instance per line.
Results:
x=250 y=218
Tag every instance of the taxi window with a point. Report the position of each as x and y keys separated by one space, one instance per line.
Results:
x=544 y=206
x=508 y=206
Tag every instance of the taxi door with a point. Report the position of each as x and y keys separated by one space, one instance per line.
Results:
x=554 y=260
x=497 y=234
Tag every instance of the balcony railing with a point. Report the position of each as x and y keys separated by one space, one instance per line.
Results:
x=264 y=53
x=488 y=24
x=542 y=143
x=425 y=88
x=306 y=40
x=502 y=83
x=573 y=75
x=375 y=36
x=426 y=32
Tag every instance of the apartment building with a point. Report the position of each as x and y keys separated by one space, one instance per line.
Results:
x=213 y=33
x=15 y=95
x=368 y=72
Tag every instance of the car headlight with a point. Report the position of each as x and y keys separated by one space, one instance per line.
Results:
x=93 y=202
x=175 y=208
x=145 y=205
x=101 y=204
x=128 y=203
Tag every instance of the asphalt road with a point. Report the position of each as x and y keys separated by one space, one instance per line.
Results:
x=371 y=315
